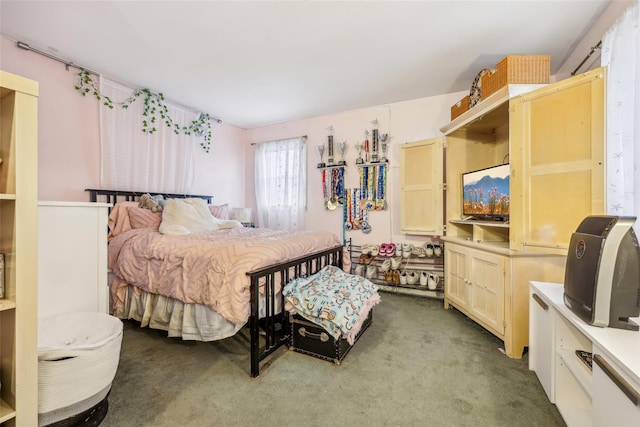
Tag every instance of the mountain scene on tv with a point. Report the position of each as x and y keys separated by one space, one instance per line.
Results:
x=488 y=196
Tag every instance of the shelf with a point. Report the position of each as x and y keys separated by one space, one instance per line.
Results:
x=332 y=167
x=364 y=165
x=579 y=371
x=413 y=263
x=6 y=411
x=489 y=113
x=499 y=247
x=18 y=235
x=575 y=416
x=497 y=224
x=7 y=304
x=416 y=290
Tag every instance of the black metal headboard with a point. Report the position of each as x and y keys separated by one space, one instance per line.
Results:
x=114 y=196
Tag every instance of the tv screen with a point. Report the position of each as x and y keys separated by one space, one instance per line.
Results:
x=485 y=193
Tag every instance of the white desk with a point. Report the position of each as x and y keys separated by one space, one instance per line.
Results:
x=609 y=395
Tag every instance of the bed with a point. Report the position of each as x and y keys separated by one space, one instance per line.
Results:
x=209 y=285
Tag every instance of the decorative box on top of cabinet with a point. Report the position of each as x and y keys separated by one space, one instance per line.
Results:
x=552 y=136
x=18 y=243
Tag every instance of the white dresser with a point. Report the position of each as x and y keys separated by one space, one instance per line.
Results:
x=72 y=257
x=606 y=395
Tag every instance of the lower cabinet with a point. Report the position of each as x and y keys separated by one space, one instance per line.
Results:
x=605 y=392
x=477 y=285
x=489 y=283
x=541 y=339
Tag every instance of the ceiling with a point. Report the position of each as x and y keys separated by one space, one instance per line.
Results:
x=253 y=64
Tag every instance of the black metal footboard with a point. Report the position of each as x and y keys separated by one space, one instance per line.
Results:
x=274 y=326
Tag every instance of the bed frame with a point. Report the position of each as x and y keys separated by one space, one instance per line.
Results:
x=276 y=327
x=270 y=332
x=115 y=196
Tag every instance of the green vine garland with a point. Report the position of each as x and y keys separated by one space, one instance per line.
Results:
x=155 y=109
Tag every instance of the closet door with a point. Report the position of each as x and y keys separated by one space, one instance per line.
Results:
x=557 y=136
x=421 y=187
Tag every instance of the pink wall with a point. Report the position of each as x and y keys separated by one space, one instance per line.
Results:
x=404 y=121
x=69 y=158
x=69 y=137
x=69 y=144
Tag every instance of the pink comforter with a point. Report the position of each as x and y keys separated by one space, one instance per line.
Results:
x=206 y=268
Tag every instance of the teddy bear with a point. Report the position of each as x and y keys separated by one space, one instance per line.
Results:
x=150 y=202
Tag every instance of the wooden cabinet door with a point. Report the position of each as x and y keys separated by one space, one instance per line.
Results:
x=557 y=161
x=486 y=274
x=456 y=275
x=421 y=187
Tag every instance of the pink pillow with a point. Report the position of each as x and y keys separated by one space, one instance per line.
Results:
x=220 y=212
x=144 y=218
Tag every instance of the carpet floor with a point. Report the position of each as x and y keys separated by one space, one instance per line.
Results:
x=417 y=365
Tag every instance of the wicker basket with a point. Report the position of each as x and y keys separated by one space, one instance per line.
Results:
x=78 y=355
x=460 y=107
x=520 y=69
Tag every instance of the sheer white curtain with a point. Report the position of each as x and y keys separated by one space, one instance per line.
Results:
x=281 y=183
x=135 y=161
x=621 y=53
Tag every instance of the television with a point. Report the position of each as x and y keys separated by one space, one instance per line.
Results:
x=602 y=275
x=485 y=193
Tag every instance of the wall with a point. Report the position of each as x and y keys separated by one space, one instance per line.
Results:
x=69 y=137
x=69 y=145
x=404 y=122
x=69 y=157
x=591 y=38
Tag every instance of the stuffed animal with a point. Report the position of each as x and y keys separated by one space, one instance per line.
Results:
x=151 y=202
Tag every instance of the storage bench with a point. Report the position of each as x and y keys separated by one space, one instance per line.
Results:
x=312 y=339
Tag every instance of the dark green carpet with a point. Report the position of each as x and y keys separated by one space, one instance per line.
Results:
x=417 y=365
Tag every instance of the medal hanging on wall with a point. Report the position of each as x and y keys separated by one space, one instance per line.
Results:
x=346 y=212
x=352 y=213
x=358 y=218
x=367 y=185
x=324 y=187
x=334 y=188
x=381 y=187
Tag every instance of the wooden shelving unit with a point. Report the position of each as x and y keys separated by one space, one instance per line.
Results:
x=18 y=243
x=433 y=265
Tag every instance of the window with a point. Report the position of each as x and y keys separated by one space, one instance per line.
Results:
x=281 y=170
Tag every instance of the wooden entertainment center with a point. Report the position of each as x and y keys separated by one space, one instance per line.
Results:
x=553 y=138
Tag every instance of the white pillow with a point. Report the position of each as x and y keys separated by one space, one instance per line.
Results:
x=185 y=216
